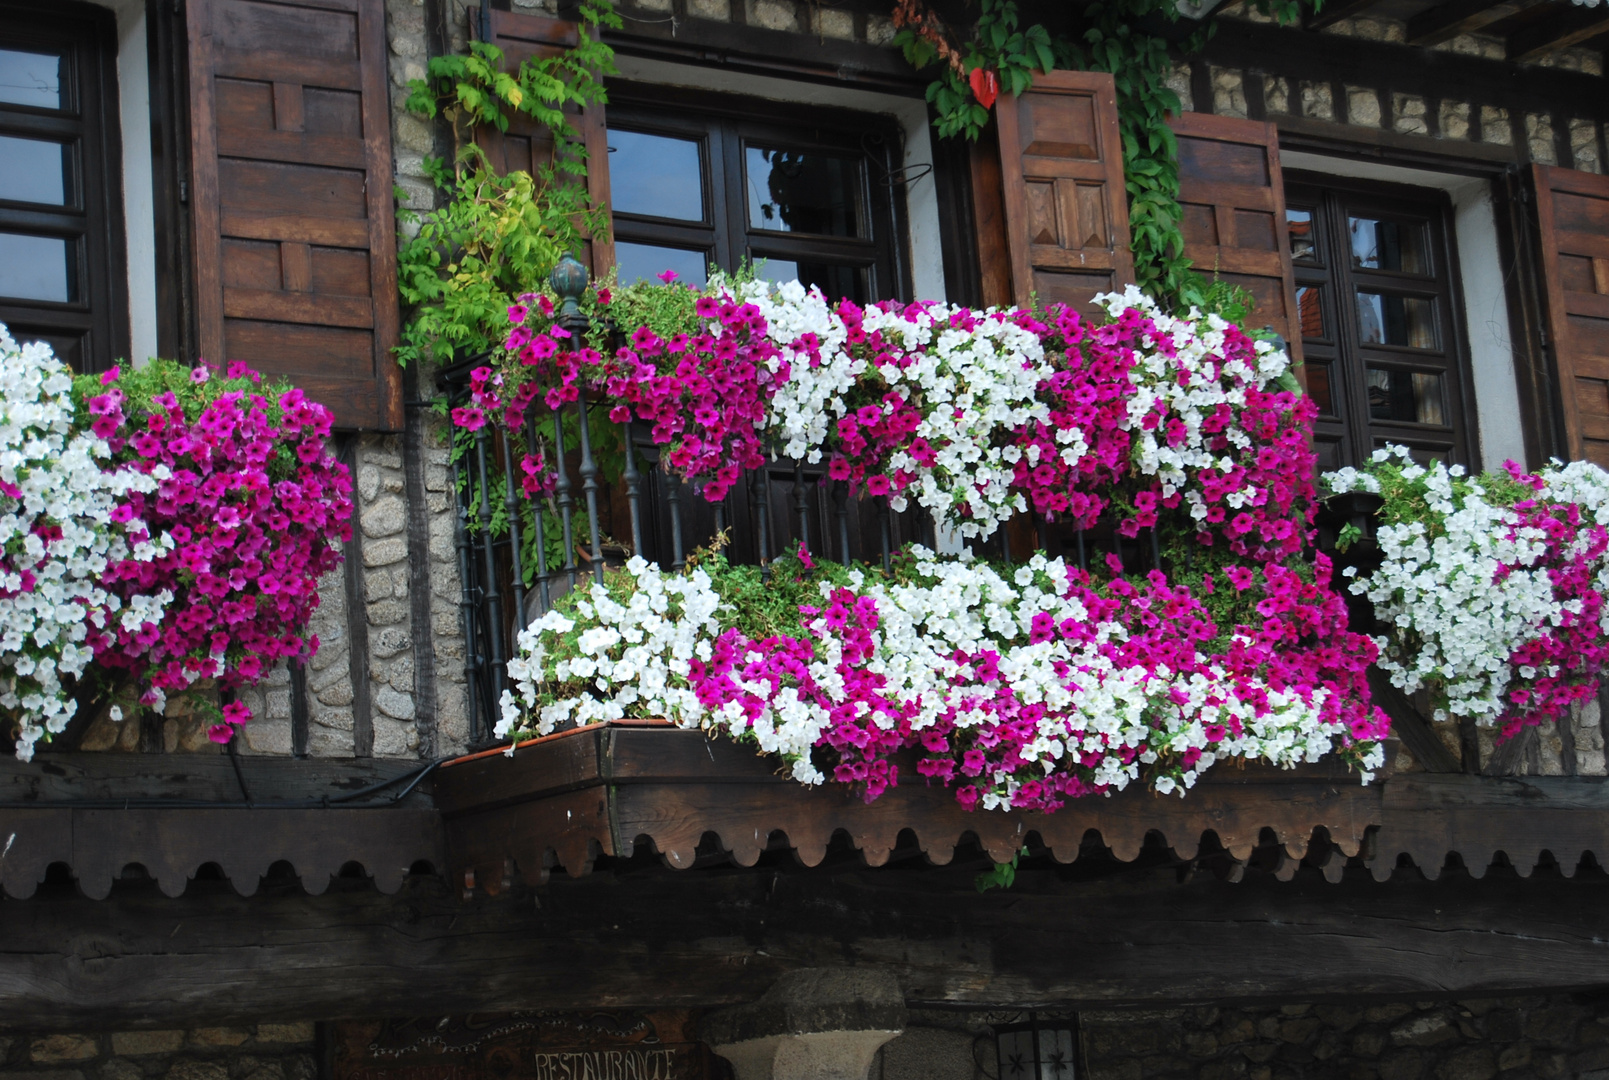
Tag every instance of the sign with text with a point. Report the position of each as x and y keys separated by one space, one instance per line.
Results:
x=525 y=1046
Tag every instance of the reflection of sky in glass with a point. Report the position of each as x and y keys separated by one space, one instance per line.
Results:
x=1300 y=224
x=795 y=191
x=655 y=175
x=31 y=171
x=645 y=262
x=35 y=268
x=1387 y=319
x=1387 y=245
x=30 y=79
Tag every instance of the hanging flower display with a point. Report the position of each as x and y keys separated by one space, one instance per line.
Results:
x=1491 y=588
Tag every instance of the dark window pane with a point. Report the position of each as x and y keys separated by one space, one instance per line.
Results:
x=1410 y=397
x=1389 y=245
x=1318 y=386
x=655 y=175
x=794 y=191
x=1309 y=305
x=646 y=262
x=837 y=282
x=1388 y=319
x=33 y=171
x=1303 y=244
x=28 y=78
x=37 y=268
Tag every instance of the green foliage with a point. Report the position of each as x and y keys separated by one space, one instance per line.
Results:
x=1112 y=39
x=495 y=237
x=1003 y=876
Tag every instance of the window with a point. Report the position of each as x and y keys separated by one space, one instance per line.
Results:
x=60 y=213
x=804 y=195
x=1375 y=299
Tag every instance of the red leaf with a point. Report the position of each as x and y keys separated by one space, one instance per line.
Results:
x=985 y=86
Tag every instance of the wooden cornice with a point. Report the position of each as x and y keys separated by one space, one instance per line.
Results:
x=608 y=791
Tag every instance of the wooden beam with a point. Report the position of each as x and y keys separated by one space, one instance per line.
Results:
x=1333 y=12
x=1443 y=23
x=204 y=777
x=1570 y=26
x=696 y=938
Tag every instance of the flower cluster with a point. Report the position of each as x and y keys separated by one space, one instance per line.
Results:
x=974 y=416
x=250 y=501
x=64 y=516
x=1020 y=688
x=1491 y=588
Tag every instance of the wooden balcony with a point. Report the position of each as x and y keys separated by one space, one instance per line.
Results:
x=620 y=790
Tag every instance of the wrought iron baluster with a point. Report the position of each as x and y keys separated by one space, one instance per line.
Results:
x=884 y=512
x=589 y=486
x=801 y=504
x=762 y=521
x=542 y=586
x=493 y=597
x=840 y=500
x=512 y=502
x=673 y=496
x=633 y=488
x=466 y=604
x=561 y=491
x=1083 y=559
x=1042 y=530
x=1156 y=550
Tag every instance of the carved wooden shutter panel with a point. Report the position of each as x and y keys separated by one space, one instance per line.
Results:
x=528 y=145
x=1233 y=197
x=295 y=243
x=1573 y=211
x=1067 y=217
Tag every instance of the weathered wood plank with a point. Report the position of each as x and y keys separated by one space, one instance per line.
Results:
x=205 y=777
x=709 y=939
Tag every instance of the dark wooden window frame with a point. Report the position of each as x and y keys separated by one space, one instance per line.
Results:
x=723 y=124
x=1334 y=199
x=93 y=217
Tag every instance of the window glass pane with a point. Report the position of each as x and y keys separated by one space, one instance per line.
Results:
x=37 y=268
x=795 y=191
x=1389 y=245
x=33 y=171
x=28 y=78
x=1318 y=386
x=1056 y=1054
x=1412 y=397
x=655 y=175
x=1016 y=1054
x=646 y=262
x=1309 y=305
x=1388 y=319
x=836 y=281
x=1303 y=244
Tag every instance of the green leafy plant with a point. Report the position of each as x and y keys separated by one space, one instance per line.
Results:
x=494 y=237
x=1003 y=876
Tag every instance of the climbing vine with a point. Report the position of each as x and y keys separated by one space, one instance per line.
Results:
x=493 y=237
x=998 y=54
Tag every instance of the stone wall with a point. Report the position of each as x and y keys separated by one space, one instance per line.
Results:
x=1477 y=1039
x=1559 y=1036
x=248 y=1052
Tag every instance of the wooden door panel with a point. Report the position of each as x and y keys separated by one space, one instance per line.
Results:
x=295 y=242
x=1066 y=206
x=1573 y=214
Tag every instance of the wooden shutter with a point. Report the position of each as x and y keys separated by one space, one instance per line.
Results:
x=1061 y=163
x=527 y=145
x=1573 y=211
x=1233 y=198
x=295 y=245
